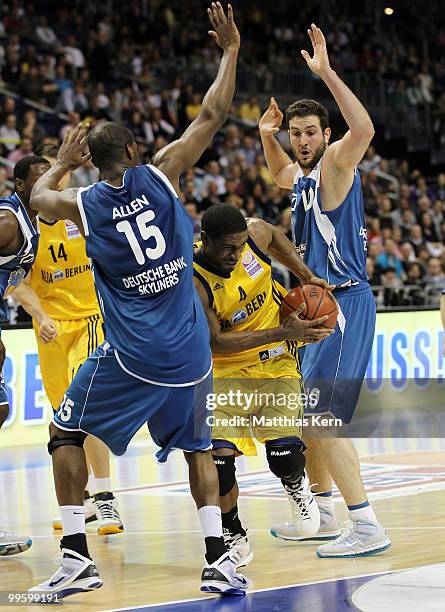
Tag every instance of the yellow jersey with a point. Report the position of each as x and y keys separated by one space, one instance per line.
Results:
x=61 y=275
x=247 y=298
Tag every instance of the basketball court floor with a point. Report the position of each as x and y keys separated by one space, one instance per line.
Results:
x=156 y=563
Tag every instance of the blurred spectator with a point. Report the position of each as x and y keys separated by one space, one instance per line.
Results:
x=388 y=258
x=250 y=111
x=4 y=189
x=9 y=135
x=213 y=175
x=373 y=272
x=193 y=107
x=22 y=151
x=435 y=275
x=371 y=161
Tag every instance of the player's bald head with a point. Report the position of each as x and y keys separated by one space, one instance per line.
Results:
x=111 y=143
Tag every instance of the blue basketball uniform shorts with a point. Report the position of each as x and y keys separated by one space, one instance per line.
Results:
x=337 y=366
x=111 y=404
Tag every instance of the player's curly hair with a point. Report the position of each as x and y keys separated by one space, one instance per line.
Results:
x=107 y=142
x=223 y=220
x=304 y=108
x=23 y=166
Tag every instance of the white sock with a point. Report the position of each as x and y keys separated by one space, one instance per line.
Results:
x=91 y=484
x=73 y=519
x=364 y=514
x=325 y=503
x=103 y=484
x=210 y=518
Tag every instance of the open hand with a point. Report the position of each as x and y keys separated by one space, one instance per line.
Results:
x=224 y=33
x=272 y=119
x=303 y=330
x=74 y=150
x=319 y=63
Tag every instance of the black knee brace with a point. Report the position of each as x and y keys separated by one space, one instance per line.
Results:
x=286 y=461
x=226 y=473
x=55 y=442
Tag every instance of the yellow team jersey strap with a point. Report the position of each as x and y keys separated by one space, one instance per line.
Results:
x=62 y=276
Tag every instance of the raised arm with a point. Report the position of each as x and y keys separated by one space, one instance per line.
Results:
x=45 y=196
x=182 y=154
x=235 y=341
x=270 y=239
x=346 y=153
x=280 y=165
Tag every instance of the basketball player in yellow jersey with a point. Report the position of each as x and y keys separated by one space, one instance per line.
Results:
x=258 y=387
x=59 y=294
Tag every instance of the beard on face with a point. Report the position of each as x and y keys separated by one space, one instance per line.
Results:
x=312 y=161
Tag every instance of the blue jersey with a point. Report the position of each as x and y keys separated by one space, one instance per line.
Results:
x=13 y=268
x=332 y=243
x=139 y=238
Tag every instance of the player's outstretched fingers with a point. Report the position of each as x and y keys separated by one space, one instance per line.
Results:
x=216 y=17
x=229 y=13
x=220 y=12
x=319 y=321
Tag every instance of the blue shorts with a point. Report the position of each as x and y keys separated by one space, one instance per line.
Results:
x=111 y=404
x=337 y=366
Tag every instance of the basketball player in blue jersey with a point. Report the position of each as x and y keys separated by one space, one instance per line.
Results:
x=19 y=239
x=329 y=232
x=155 y=366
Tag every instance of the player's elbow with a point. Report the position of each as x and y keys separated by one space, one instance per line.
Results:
x=215 y=115
x=366 y=131
x=216 y=344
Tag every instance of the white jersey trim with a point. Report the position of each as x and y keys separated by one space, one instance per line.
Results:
x=118 y=186
x=155 y=382
x=82 y=210
x=27 y=235
x=164 y=178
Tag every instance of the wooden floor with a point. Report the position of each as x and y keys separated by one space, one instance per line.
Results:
x=160 y=556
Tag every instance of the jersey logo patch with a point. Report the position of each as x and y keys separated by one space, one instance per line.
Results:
x=217 y=286
x=72 y=231
x=308 y=199
x=251 y=265
x=242 y=294
x=238 y=317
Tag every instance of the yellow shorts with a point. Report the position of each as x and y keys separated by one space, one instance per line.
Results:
x=60 y=359
x=261 y=402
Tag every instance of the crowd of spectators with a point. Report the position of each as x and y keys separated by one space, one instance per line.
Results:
x=109 y=58
x=83 y=62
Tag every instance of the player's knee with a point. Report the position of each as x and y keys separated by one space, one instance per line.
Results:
x=225 y=464
x=286 y=461
x=59 y=438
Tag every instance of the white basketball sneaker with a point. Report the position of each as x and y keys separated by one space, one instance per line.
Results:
x=107 y=510
x=305 y=512
x=241 y=544
x=12 y=544
x=329 y=529
x=221 y=576
x=77 y=574
x=359 y=539
x=90 y=514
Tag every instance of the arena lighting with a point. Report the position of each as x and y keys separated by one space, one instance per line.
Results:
x=388 y=10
